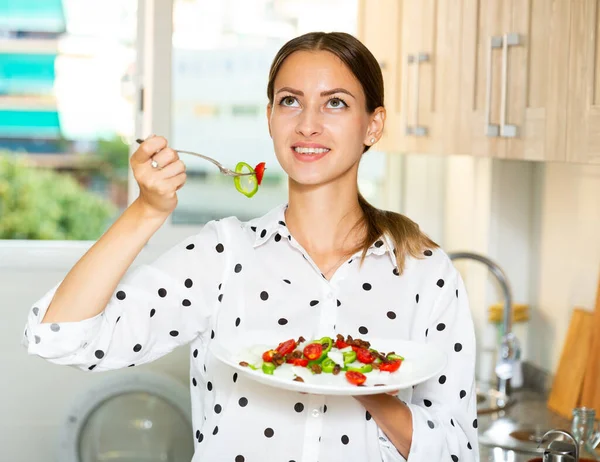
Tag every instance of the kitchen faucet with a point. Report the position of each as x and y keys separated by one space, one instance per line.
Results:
x=509 y=344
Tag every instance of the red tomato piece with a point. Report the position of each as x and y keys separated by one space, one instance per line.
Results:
x=268 y=356
x=302 y=362
x=259 y=170
x=340 y=344
x=285 y=348
x=364 y=356
x=313 y=351
x=390 y=366
x=355 y=378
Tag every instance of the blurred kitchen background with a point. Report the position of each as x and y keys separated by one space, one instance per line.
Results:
x=502 y=164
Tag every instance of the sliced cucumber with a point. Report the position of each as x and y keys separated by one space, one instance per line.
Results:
x=247 y=184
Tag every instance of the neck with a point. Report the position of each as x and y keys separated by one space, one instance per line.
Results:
x=323 y=218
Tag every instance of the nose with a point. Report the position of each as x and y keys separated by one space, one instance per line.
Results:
x=309 y=123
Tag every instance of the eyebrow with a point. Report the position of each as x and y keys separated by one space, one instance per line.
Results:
x=323 y=93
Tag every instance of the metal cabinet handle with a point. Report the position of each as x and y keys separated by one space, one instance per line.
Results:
x=491 y=129
x=506 y=130
x=405 y=76
x=419 y=130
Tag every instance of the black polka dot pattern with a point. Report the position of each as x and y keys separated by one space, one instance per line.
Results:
x=363 y=330
x=367 y=286
x=345 y=439
x=454 y=458
x=391 y=315
x=298 y=407
x=428 y=253
x=282 y=321
x=188 y=283
x=457 y=347
x=430 y=424
x=441 y=326
x=440 y=283
x=238 y=268
x=264 y=296
x=269 y=432
x=220 y=248
x=121 y=295
x=427 y=403
x=442 y=380
x=162 y=293
x=463 y=393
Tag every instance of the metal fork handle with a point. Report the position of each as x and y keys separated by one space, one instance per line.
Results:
x=223 y=169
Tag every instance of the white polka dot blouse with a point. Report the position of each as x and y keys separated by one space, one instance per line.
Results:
x=237 y=282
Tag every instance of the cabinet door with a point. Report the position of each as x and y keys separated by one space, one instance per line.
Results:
x=583 y=110
x=484 y=24
x=536 y=72
x=411 y=62
x=429 y=80
x=379 y=25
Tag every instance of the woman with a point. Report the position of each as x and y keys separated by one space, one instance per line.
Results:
x=325 y=262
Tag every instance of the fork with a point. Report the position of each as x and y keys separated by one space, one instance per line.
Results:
x=224 y=170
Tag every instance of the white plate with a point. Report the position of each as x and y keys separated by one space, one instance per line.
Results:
x=421 y=362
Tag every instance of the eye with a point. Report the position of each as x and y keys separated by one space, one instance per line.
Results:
x=288 y=101
x=337 y=103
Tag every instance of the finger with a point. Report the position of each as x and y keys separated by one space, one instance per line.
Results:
x=147 y=149
x=165 y=157
x=176 y=183
x=173 y=169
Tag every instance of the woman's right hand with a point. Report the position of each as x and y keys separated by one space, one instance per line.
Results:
x=158 y=186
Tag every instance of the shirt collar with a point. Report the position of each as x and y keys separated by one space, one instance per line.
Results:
x=268 y=224
x=274 y=222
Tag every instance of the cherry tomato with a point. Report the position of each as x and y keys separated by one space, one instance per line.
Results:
x=339 y=344
x=268 y=356
x=313 y=351
x=302 y=362
x=259 y=170
x=364 y=356
x=390 y=366
x=285 y=348
x=355 y=378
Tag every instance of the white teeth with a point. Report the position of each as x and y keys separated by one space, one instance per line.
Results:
x=311 y=150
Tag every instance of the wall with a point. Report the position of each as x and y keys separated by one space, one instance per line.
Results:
x=539 y=221
x=35 y=395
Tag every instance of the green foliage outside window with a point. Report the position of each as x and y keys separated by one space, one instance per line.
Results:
x=46 y=205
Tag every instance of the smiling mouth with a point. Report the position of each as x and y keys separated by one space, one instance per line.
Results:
x=311 y=151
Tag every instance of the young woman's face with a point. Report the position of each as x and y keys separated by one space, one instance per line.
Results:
x=318 y=121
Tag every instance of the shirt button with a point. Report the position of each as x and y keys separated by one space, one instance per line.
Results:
x=315 y=413
x=330 y=295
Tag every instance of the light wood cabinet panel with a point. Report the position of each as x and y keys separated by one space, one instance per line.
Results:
x=379 y=27
x=484 y=24
x=536 y=77
x=583 y=110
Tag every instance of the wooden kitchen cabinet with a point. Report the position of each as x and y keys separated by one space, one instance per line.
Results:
x=514 y=57
x=514 y=79
x=418 y=41
x=478 y=112
x=583 y=110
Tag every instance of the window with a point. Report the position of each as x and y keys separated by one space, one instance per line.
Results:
x=66 y=116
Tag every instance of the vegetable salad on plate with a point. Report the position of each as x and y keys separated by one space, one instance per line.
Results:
x=355 y=359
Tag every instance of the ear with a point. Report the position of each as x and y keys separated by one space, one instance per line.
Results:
x=375 y=127
x=269 y=110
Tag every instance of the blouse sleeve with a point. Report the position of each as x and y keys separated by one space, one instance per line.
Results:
x=154 y=309
x=444 y=409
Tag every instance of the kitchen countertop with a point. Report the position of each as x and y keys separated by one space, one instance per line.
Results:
x=528 y=412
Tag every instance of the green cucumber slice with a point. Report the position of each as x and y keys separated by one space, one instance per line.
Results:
x=248 y=184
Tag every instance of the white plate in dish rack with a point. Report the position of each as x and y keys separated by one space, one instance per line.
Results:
x=422 y=362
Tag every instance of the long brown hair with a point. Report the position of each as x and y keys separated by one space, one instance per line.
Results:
x=405 y=234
